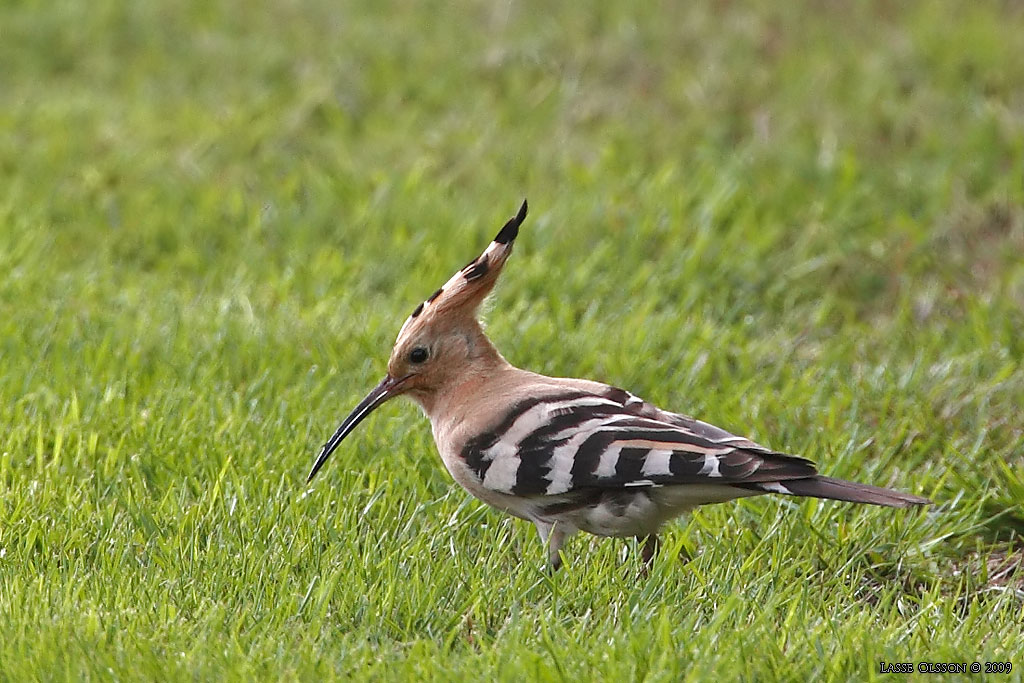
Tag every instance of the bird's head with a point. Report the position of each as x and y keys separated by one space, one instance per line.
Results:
x=440 y=341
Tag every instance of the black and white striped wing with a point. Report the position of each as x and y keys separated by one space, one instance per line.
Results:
x=577 y=441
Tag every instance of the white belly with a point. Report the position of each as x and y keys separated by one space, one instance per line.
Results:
x=641 y=512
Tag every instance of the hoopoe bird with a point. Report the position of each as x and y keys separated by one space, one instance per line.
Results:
x=569 y=454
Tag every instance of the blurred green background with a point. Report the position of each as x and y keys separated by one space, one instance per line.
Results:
x=803 y=223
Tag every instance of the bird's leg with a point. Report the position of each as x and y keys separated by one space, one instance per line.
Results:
x=553 y=537
x=648 y=549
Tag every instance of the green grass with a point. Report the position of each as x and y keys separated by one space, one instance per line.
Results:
x=805 y=224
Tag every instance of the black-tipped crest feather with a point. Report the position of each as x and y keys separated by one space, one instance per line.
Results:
x=511 y=229
x=476 y=269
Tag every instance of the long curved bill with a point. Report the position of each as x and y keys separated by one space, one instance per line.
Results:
x=380 y=393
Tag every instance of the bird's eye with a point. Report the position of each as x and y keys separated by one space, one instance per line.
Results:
x=418 y=355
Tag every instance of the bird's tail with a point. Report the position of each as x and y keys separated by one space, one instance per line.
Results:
x=840 y=489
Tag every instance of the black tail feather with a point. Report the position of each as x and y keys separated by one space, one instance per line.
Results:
x=840 y=489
